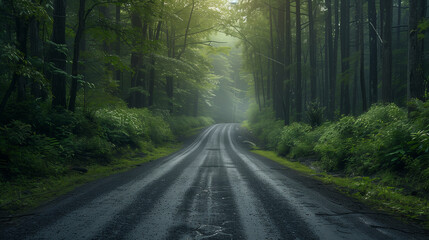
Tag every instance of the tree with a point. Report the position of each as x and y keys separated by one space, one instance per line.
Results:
x=416 y=74
x=386 y=90
x=76 y=52
x=279 y=88
x=288 y=62
x=298 y=96
x=345 y=55
x=360 y=42
x=373 y=71
x=58 y=55
x=330 y=59
x=313 y=58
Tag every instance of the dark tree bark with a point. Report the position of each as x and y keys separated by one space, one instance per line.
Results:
x=76 y=52
x=298 y=62
x=386 y=90
x=35 y=51
x=280 y=58
x=399 y=20
x=269 y=80
x=373 y=61
x=136 y=98
x=330 y=60
x=261 y=77
x=58 y=57
x=335 y=53
x=17 y=79
x=21 y=39
x=416 y=74
x=288 y=62
x=313 y=53
x=359 y=10
x=345 y=55
x=152 y=69
x=118 y=73
x=169 y=79
x=273 y=65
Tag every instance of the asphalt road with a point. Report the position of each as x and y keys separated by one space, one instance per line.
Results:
x=212 y=189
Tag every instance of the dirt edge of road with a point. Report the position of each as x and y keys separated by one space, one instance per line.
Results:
x=337 y=186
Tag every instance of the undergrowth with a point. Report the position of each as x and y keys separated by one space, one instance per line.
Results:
x=42 y=146
x=386 y=147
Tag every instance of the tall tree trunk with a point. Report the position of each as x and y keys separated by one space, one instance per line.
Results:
x=118 y=73
x=273 y=65
x=416 y=74
x=386 y=90
x=359 y=9
x=345 y=55
x=21 y=38
x=35 y=51
x=335 y=54
x=261 y=74
x=330 y=61
x=313 y=53
x=280 y=58
x=399 y=20
x=136 y=63
x=138 y=96
x=373 y=60
x=142 y=80
x=57 y=56
x=17 y=79
x=288 y=62
x=76 y=52
x=269 y=80
x=298 y=62
x=152 y=69
x=169 y=79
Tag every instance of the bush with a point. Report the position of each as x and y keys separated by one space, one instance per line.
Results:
x=47 y=140
x=384 y=141
x=290 y=136
x=315 y=113
x=26 y=153
x=182 y=125
x=264 y=125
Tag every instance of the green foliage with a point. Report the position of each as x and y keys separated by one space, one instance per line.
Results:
x=264 y=126
x=384 y=140
x=182 y=125
x=315 y=113
x=291 y=136
x=45 y=142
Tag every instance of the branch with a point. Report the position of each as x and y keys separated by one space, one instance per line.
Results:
x=272 y=59
x=187 y=30
x=97 y=4
x=375 y=30
x=204 y=42
x=207 y=29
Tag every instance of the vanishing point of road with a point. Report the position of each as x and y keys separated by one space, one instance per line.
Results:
x=212 y=189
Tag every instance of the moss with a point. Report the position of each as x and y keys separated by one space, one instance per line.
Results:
x=24 y=194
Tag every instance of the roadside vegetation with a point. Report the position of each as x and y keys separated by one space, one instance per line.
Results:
x=50 y=151
x=380 y=157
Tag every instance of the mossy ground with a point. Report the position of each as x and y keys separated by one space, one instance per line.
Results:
x=23 y=195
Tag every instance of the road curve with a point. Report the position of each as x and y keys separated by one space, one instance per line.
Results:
x=212 y=189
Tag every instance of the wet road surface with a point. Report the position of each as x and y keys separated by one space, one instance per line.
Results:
x=212 y=189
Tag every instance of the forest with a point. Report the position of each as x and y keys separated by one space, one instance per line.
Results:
x=94 y=83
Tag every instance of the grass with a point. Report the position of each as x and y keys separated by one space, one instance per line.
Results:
x=367 y=190
x=25 y=194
